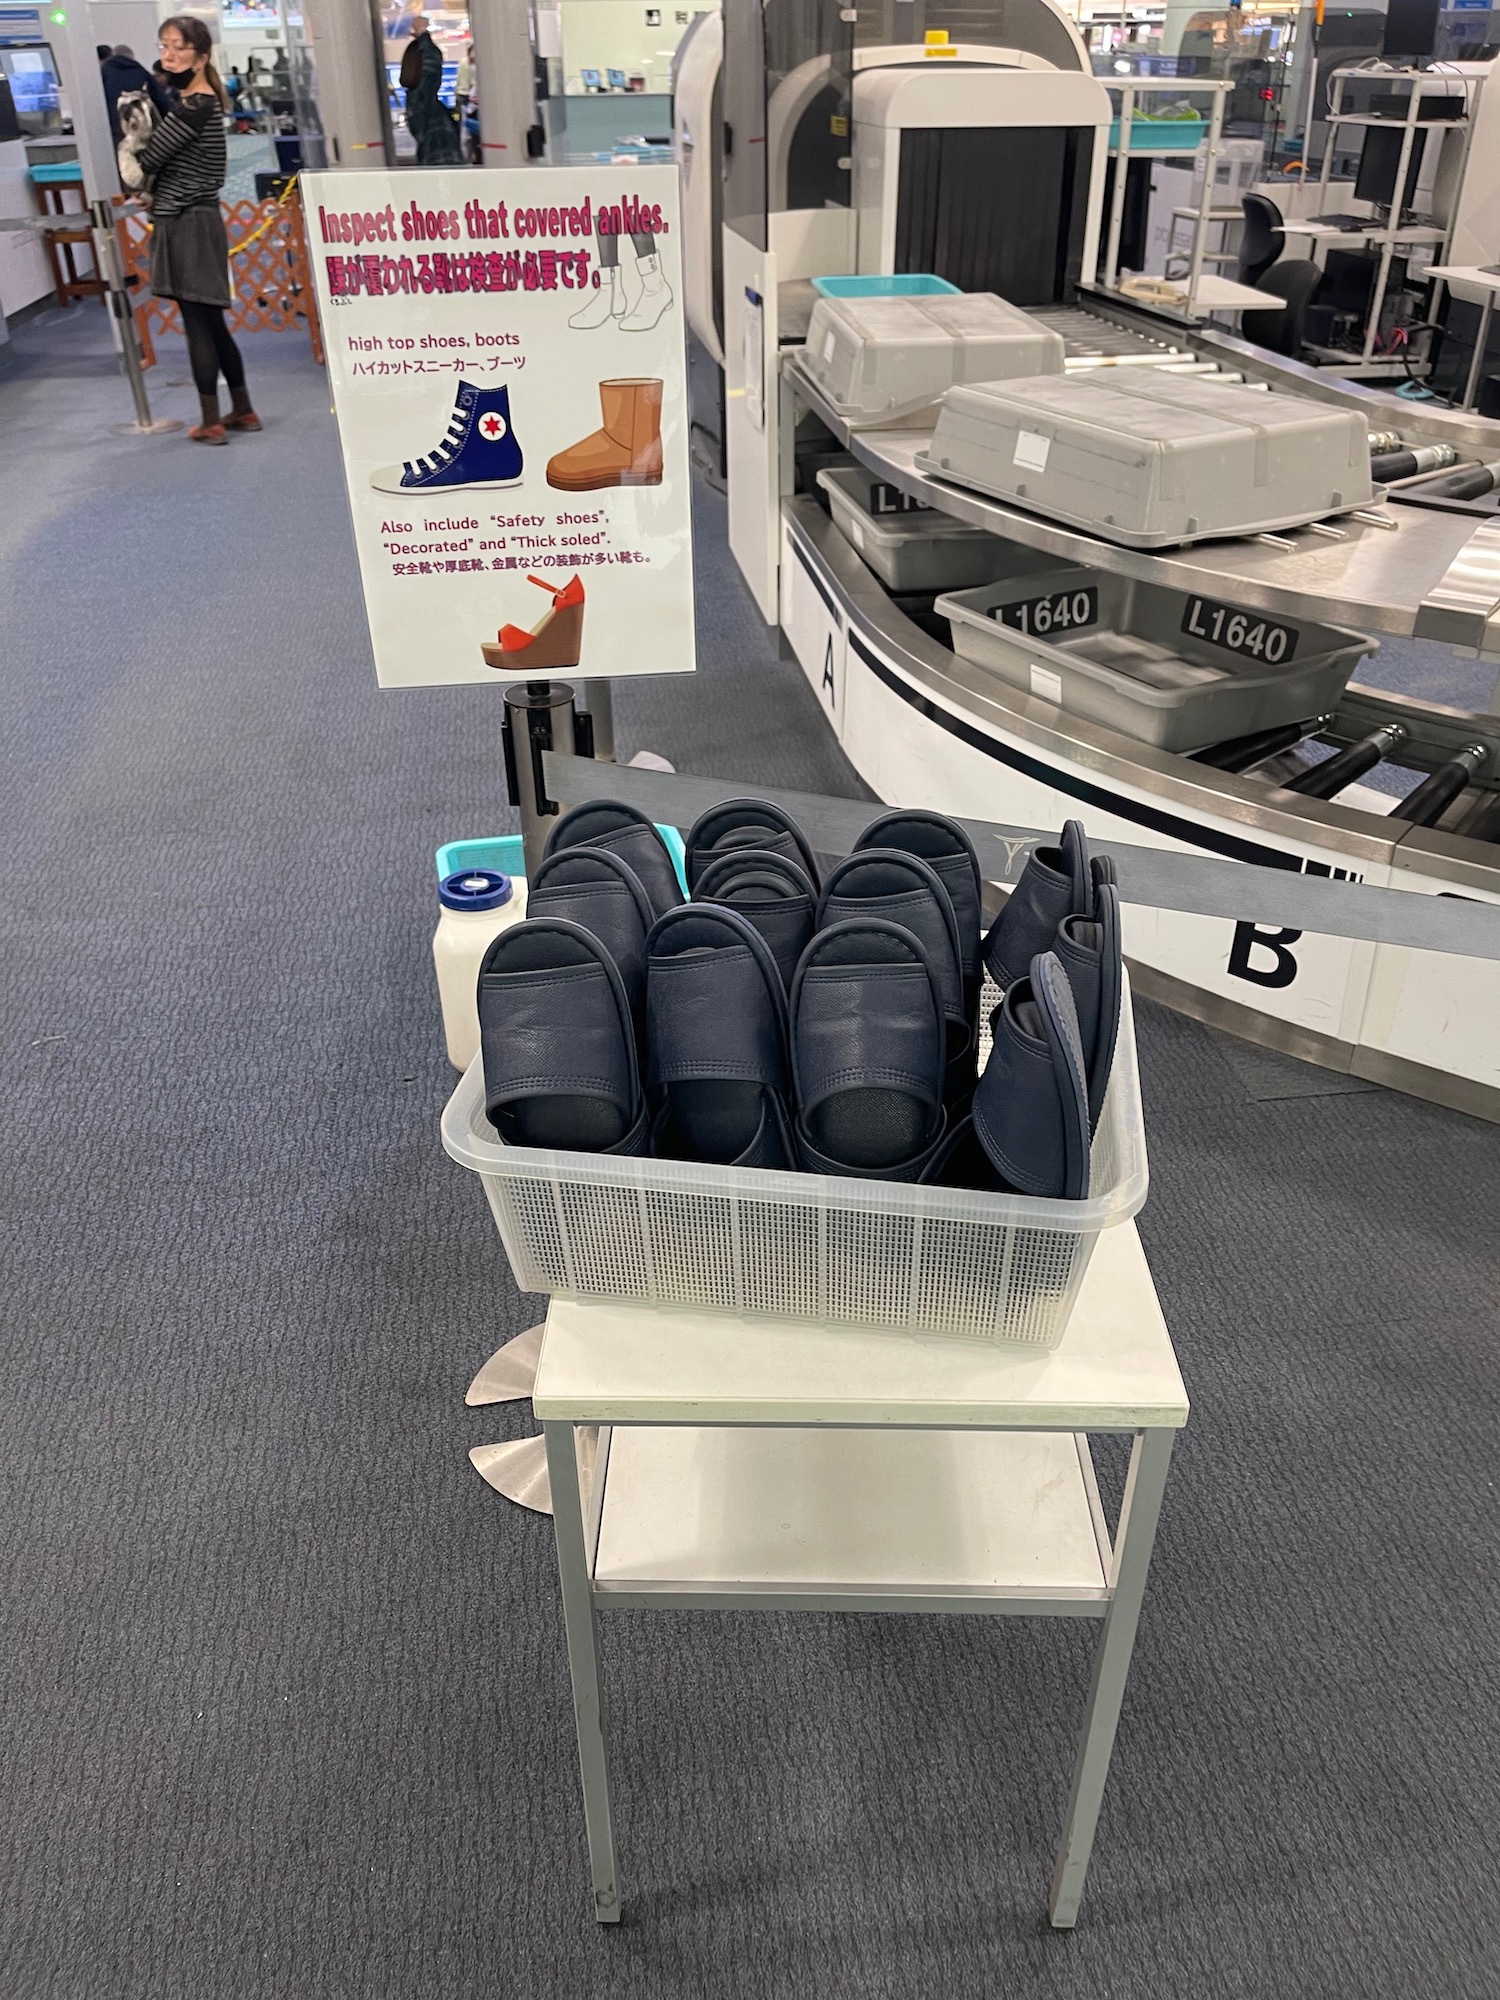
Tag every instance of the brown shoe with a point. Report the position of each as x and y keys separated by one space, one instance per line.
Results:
x=241 y=417
x=626 y=451
x=208 y=434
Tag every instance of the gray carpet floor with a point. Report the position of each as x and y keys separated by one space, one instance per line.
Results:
x=285 y=1707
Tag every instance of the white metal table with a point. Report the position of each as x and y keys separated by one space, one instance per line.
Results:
x=702 y=1461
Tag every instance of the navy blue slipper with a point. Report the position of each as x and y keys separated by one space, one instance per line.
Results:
x=620 y=829
x=903 y=889
x=1056 y=882
x=868 y=1054
x=949 y=853
x=716 y=1048
x=558 y=1042
x=1089 y=948
x=961 y=1162
x=769 y=891
x=746 y=823
x=593 y=887
x=1031 y=1106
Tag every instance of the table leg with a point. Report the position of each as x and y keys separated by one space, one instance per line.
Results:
x=1137 y=1531
x=573 y=1569
x=1471 y=387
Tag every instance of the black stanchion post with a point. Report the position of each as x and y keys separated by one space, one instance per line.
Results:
x=539 y=715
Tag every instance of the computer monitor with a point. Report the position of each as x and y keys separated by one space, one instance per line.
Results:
x=615 y=78
x=1380 y=162
x=1348 y=282
x=1410 y=29
x=591 y=79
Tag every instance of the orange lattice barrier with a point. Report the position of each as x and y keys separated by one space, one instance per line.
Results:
x=268 y=260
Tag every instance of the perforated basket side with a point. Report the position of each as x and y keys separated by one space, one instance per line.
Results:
x=932 y=1262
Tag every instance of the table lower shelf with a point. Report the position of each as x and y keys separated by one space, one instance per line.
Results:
x=987 y=1521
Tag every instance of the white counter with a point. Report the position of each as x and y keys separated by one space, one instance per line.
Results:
x=24 y=273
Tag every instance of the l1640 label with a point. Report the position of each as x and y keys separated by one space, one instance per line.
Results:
x=1058 y=611
x=1239 y=631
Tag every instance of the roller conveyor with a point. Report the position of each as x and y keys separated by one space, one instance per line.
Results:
x=921 y=724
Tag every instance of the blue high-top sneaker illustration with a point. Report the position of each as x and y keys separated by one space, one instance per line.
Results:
x=480 y=449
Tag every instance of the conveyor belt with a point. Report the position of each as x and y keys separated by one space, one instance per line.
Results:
x=1379 y=578
x=1086 y=333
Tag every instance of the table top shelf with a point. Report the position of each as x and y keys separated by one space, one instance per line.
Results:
x=607 y=1361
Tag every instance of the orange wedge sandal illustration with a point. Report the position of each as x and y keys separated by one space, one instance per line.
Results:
x=625 y=450
x=556 y=642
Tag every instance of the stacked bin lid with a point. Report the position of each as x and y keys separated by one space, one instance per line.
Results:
x=889 y=360
x=1150 y=459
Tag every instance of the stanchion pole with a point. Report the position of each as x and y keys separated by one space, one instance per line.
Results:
x=122 y=310
x=600 y=697
x=539 y=715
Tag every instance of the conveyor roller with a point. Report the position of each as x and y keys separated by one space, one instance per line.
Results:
x=1243 y=752
x=1427 y=804
x=1323 y=780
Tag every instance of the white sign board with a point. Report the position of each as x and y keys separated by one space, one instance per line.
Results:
x=508 y=363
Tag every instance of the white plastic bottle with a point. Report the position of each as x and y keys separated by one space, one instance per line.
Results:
x=476 y=906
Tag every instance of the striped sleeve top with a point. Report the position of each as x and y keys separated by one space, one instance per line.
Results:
x=187 y=154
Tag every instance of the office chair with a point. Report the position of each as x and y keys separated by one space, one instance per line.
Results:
x=1261 y=239
x=1295 y=281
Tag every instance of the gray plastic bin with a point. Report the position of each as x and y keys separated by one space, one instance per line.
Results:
x=908 y=547
x=1165 y=666
x=1149 y=459
x=888 y=361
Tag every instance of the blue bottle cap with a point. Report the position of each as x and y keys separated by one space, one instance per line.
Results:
x=474 y=889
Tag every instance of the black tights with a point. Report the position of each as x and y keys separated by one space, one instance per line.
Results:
x=210 y=348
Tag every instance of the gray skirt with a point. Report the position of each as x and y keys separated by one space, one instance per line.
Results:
x=190 y=256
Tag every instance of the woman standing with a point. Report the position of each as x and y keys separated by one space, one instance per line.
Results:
x=189 y=249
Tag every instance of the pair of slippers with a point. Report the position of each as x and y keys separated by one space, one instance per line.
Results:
x=1055 y=949
x=882 y=967
x=610 y=962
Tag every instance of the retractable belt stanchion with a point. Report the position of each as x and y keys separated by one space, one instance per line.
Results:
x=122 y=311
x=539 y=715
x=601 y=700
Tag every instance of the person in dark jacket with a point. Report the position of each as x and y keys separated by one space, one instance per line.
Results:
x=428 y=119
x=187 y=155
x=118 y=72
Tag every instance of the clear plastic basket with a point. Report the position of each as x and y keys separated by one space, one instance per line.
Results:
x=935 y=1262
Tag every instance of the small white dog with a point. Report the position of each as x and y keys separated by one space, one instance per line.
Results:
x=137 y=117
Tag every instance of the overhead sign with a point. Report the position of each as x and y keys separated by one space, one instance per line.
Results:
x=508 y=362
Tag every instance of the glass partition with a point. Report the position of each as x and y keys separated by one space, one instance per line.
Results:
x=788 y=68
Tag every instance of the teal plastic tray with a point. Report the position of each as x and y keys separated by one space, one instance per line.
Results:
x=1160 y=135
x=504 y=855
x=903 y=285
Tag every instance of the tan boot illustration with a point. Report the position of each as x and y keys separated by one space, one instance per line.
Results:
x=626 y=451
